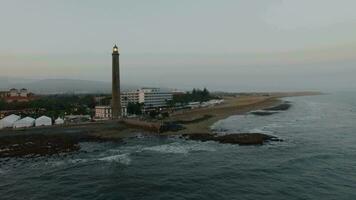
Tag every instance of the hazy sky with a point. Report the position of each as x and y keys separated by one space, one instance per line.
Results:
x=224 y=45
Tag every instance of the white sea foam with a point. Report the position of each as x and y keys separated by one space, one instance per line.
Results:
x=56 y=163
x=179 y=148
x=259 y=130
x=166 y=148
x=121 y=158
x=66 y=162
x=128 y=149
x=273 y=125
x=79 y=160
x=2 y=150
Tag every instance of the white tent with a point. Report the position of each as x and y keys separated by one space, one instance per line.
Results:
x=59 y=121
x=43 y=121
x=24 y=122
x=8 y=122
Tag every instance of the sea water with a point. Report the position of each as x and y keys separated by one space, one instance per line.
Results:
x=316 y=160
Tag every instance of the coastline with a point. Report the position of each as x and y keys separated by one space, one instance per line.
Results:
x=232 y=106
x=34 y=141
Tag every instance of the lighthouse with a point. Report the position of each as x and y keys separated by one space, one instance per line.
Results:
x=116 y=100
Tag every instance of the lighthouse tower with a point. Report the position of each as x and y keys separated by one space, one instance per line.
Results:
x=116 y=100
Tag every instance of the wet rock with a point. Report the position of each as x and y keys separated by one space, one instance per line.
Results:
x=239 y=138
x=263 y=112
x=246 y=138
x=281 y=107
x=272 y=110
x=42 y=145
x=200 y=137
x=219 y=130
x=171 y=126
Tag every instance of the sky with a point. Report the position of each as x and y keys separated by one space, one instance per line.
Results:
x=230 y=45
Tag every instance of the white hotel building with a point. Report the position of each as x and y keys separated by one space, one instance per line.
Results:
x=151 y=98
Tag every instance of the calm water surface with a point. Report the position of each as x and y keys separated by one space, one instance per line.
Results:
x=317 y=160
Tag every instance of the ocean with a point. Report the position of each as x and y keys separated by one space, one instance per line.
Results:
x=315 y=160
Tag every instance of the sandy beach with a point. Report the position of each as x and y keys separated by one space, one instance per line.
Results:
x=231 y=106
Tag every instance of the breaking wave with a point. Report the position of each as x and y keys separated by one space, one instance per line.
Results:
x=179 y=148
x=121 y=158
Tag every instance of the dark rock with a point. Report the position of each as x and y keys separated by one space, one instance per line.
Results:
x=244 y=138
x=220 y=130
x=171 y=126
x=240 y=138
x=283 y=106
x=42 y=145
x=263 y=112
x=272 y=110
x=200 y=137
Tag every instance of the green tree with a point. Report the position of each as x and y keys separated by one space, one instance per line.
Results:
x=134 y=108
x=194 y=95
x=2 y=104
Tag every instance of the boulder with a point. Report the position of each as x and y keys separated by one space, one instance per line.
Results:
x=263 y=112
x=283 y=106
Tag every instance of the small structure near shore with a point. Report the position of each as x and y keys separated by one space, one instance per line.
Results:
x=24 y=122
x=8 y=122
x=59 y=121
x=43 y=121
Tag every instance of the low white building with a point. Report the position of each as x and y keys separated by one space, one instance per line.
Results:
x=8 y=122
x=24 y=122
x=43 y=121
x=59 y=121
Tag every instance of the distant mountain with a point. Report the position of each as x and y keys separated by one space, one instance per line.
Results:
x=5 y=82
x=52 y=86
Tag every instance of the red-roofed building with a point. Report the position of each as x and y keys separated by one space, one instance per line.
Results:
x=4 y=94
x=15 y=95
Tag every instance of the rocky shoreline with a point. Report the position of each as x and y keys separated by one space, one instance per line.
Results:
x=45 y=141
x=237 y=138
x=44 y=145
x=47 y=145
x=56 y=140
